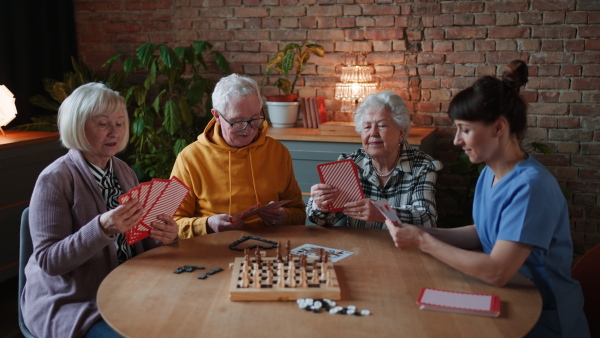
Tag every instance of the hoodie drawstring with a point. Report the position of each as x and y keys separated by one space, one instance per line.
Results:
x=230 y=183
x=252 y=172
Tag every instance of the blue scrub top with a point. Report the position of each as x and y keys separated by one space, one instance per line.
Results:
x=527 y=206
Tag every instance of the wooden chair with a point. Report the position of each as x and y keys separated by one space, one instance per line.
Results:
x=587 y=272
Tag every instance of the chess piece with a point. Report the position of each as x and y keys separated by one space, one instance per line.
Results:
x=256 y=276
x=303 y=282
x=245 y=279
x=291 y=281
x=279 y=259
x=280 y=275
x=258 y=256
x=287 y=251
x=315 y=273
x=269 y=273
x=329 y=281
x=323 y=271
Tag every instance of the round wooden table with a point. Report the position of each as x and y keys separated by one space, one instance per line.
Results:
x=144 y=298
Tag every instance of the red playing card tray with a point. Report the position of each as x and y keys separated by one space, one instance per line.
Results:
x=459 y=302
x=344 y=176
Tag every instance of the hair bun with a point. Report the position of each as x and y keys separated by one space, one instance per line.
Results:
x=516 y=75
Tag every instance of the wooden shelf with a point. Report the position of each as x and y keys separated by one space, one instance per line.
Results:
x=15 y=138
x=417 y=137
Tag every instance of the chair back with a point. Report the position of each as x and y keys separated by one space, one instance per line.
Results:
x=25 y=251
x=587 y=272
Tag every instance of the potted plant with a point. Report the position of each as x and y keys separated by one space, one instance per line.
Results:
x=290 y=61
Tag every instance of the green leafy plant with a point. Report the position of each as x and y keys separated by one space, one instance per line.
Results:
x=59 y=90
x=171 y=106
x=292 y=56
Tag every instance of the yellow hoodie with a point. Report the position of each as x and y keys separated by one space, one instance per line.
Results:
x=226 y=180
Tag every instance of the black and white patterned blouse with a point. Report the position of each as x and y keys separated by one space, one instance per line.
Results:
x=111 y=190
x=410 y=189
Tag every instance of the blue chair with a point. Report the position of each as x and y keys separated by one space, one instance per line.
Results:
x=587 y=272
x=25 y=250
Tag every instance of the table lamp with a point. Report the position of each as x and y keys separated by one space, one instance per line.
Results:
x=356 y=82
x=8 y=110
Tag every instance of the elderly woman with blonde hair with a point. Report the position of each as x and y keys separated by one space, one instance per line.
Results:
x=77 y=225
x=388 y=168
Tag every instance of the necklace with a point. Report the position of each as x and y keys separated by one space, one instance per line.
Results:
x=383 y=175
x=389 y=172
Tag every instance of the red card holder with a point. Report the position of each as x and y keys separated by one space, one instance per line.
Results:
x=344 y=176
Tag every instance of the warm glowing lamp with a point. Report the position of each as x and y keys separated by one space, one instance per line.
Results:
x=356 y=82
x=8 y=110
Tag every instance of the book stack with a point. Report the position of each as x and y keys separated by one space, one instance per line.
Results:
x=313 y=111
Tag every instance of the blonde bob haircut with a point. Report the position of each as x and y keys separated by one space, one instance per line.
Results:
x=90 y=99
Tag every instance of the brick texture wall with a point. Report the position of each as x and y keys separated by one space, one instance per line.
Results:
x=424 y=50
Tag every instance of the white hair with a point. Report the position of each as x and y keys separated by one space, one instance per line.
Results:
x=387 y=100
x=90 y=99
x=233 y=87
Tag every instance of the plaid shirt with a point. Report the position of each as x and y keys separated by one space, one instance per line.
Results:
x=410 y=189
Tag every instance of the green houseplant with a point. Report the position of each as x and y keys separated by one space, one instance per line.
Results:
x=290 y=62
x=169 y=107
x=59 y=90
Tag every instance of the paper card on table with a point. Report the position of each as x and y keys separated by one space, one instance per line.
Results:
x=257 y=208
x=311 y=250
x=344 y=176
x=387 y=211
x=459 y=302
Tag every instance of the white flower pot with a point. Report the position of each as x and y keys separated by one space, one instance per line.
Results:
x=283 y=114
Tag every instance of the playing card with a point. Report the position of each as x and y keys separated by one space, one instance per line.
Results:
x=255 y=209
x=311 y=250
x=161 y=197
x=168 y=201
x=387 y=211
x=156 y=189
x=143 y=195
x=344 y=176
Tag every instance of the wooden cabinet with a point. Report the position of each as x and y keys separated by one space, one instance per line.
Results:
x=310 y=147
x=23 y=155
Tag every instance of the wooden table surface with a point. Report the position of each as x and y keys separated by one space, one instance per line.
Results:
x=144 y=298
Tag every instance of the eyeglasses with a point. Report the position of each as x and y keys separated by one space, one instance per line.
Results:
x=242 y=125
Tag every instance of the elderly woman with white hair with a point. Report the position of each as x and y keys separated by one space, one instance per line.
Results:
x=388 y=168
x=77 y=225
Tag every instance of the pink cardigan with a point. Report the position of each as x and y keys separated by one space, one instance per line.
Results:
x=71 y=254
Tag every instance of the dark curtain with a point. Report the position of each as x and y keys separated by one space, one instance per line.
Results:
x=37 y=40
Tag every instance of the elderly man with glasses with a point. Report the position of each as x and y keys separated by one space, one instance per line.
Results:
x=234 y=165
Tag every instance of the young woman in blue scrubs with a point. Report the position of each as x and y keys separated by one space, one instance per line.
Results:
x=521 y=216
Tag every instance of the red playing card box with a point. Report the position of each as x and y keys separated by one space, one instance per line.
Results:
x=344 y=176
x=459 y=302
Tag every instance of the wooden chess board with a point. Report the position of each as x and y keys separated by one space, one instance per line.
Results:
x=271 y=288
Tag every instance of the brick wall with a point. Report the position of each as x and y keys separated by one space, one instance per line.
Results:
x=424 y=50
